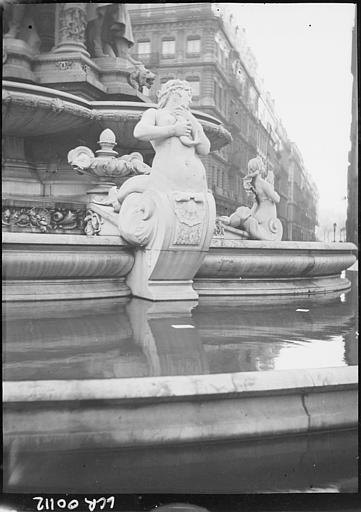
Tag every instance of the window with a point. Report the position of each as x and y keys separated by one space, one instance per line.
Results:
x=168 y=47
x=143 y=47
x=218 y=53
x=216 y=93
x=220 y=99
x=165 y=79
x=194 y=82
x=219 y=178
x=193 y=45
x=225 y=103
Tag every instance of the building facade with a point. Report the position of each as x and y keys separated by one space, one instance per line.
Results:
x=198 y=42
x=352 y=174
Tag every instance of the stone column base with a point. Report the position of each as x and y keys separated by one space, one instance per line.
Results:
x=168 y=290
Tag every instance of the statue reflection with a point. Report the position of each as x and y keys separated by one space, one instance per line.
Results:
x=168 y=337
x=106 y=339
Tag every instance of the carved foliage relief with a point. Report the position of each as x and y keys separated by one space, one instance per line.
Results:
x=72 y=22
x=43 y=220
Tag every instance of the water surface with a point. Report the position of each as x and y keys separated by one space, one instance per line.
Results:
x=137 y=338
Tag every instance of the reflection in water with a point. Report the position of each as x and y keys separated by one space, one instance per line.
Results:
x=314 y=463
x=137 y=338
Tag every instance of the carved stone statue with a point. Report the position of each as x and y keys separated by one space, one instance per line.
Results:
x=261 y=220
x=177 y=137
x=109 y=31
x=141 y=77
x=21 y=25
x=169 y=214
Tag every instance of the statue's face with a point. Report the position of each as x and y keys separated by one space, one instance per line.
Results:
x=182 y=96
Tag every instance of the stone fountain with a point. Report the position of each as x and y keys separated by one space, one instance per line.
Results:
x=62 y=89
x=105 y=196
x=154 y=237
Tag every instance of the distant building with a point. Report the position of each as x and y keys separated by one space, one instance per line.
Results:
x=352 y=174
x=302 y=196
x=198 y=42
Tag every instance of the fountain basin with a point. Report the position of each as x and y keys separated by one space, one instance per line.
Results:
x=161 y=410
x=43 y=266
x=33 y=110
x=321 y=462
x=252 y=267
x=123 y=375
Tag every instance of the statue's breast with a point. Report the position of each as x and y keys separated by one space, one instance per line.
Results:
x=164 y=118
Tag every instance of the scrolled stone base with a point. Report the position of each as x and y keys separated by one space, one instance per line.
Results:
x=64 y=289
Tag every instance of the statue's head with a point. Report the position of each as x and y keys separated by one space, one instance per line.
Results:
x=181 y=88
x=255 y=167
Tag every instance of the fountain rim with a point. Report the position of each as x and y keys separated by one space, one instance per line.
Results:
x=184 y=386
x=216 y=243
x=96 y=104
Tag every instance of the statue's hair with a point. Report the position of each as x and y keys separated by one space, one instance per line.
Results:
x=171 y=86
x=255 y=167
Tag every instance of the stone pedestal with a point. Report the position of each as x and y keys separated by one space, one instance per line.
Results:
x=17 y=60
x=18 y=176
x=114 y=72
x=171 y=233
x=69 y=71
x=179 y=237
x=71 y=25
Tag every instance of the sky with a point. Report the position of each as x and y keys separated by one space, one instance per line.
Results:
x=304 y=56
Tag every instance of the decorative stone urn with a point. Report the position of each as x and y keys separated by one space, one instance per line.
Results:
x=106 y=167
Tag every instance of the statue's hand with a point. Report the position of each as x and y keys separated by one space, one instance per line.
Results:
x=182 y=127
x=225 y=220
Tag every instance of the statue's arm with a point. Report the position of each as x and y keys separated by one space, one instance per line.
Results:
x=254 y=207
x=271 y=193
x=147 y=130
x=203 y=146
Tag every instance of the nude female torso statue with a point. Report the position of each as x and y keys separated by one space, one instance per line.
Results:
x=178 y=140
x=176 y=165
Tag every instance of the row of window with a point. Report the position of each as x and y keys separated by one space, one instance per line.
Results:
x=193 y=46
